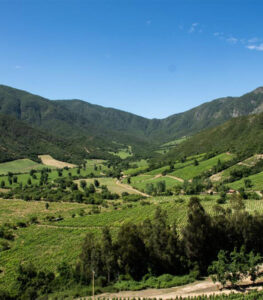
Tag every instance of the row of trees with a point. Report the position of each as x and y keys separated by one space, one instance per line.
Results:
x=155 y=247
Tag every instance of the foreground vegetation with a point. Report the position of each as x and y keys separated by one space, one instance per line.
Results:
x=72 y=205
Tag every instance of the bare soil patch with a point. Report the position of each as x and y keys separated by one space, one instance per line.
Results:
x=50 y=161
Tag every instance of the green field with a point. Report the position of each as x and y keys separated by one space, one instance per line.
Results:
x=141 y=165
x=141 y=182
x=93 y=166
x=256 y=179
x=123 y=153
x=111 y=184
x=191 y=171
x=20 y=166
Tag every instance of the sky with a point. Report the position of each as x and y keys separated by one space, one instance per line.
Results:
x=153 y=58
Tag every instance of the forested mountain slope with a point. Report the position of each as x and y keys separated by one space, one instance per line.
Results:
x=101 y=129
x=240 y=135
x=19 y=140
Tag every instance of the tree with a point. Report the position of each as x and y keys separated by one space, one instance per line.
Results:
x=219 y=268
x=160 y=187
x=248 y=183
x=83 y=184
x=196 y=163
x=108 y=254
x=96 y=183
x=198 y=234
x=131 y=251
x=235 y=266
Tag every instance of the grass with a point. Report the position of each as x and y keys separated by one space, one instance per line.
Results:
x=141 y=185
x=20 y=166
x=141 y=166
x=256 y=179
x=191 y=171
x=111 y=184
x=123 y=153
x=93 y=166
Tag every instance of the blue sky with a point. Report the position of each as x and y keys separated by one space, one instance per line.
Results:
x=153 y=58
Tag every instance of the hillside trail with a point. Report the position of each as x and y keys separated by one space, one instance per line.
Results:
x=72 y=227
x=128 y=187
x=176 y=178
x=198 y=288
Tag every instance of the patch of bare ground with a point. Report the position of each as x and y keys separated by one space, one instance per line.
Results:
x=50 y=161
x=4 y=190
x=216 y=177
x=158 y=176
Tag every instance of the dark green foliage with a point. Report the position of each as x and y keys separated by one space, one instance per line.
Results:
x=27 y=118
x=32 y=282
x=235 y=266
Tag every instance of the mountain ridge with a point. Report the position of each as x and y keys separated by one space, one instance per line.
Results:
x=102 y=130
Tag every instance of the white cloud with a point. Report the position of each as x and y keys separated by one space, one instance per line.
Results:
x=193 y=27
x=18 y=67
x=148 y=22
x=232 y=40
x=256 y=47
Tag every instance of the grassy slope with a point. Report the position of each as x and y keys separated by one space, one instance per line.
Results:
x=20 y=166
x=256 y=179
x=141 y=166
x=191 y=171
x=140 y=182
x=111 y=184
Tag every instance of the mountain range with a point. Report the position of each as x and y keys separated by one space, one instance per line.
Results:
x=74 y=129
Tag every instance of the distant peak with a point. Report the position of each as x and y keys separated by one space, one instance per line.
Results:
x=259 y=90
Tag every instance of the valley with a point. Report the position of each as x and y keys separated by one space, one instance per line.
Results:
x=60 y=202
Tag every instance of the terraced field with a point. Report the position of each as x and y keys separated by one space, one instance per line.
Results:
x=191 y=171
x=256 y=179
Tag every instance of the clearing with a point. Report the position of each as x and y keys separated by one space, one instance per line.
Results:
x=50 y=161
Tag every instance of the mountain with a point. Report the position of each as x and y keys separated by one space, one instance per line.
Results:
x=242 y=135
x=19 y=140
x=95 y=130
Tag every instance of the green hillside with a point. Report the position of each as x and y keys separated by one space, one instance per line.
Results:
x=240 y=135
x=19 y=140
x=98 y=130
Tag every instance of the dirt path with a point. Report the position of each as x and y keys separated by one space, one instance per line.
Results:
x=176 y=178
x=158 y=176
x=128 y=187
x=72 y=227
x=197 y=288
